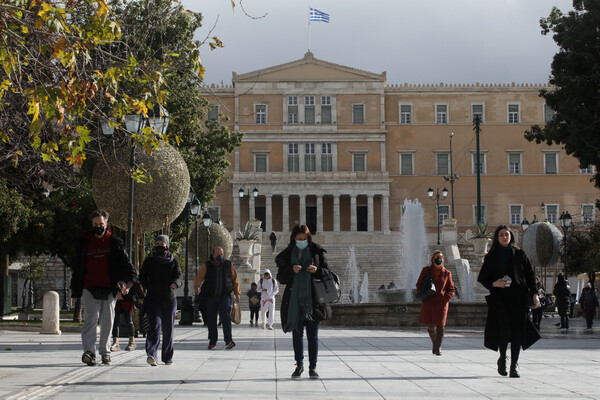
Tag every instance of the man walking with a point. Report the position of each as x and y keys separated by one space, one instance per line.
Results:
x=101 y=269
x=216 y=280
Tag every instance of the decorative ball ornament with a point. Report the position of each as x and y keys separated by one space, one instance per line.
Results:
x=541 y=243
x=158 y=201
x=219 y=236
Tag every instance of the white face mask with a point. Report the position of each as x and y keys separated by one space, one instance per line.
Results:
x=301 y=244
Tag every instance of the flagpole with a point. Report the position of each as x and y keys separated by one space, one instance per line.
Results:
x=309 y=27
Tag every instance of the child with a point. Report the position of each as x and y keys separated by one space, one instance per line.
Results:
x=268 y=288
x=253 y=303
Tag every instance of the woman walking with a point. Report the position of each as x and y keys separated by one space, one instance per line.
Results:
x=161 y=275
x=508 y=275
x=434 y=310
x=301 y=261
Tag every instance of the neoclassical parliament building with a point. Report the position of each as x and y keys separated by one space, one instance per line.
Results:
x=340 y=149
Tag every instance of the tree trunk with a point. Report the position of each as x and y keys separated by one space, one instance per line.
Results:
x=77 y=311
x=4 y=260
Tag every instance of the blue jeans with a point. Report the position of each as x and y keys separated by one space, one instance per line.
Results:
x=312 y=335
x=221 y=305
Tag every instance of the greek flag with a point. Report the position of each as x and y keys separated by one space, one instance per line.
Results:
x=316 y=15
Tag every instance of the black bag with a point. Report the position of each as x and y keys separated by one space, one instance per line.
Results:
x=327 y=290
x=100 y=293
x=427 y=289
x=321 y=311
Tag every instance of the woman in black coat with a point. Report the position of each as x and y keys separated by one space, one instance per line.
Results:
x=508 y=275
x=302 y=261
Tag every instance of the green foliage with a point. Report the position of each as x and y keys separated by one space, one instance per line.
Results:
x=583 y=251
x=249 y=233
x=576 y=77
x=481 y=231
x=13 y=213
x=34 y=271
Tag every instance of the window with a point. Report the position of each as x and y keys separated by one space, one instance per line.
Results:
x=405 y=114
x=310 y=158
x=443 y=213
x=359 y=162
x=548 y=113
x=550 y=163
x=587 y=170
x=514 y=163
x=513 y=113
x=483 y=214
x=213 y=112
x=477 y=111
x=442 y=164
x=309 y=110
x=587 y=213
x=481 y=163
x=293 y=158
x=215 y=213
x=406 y=164
x=358 y=114
x=441 y=113
x=552 y=213
x=516 y=214
x=260 y=114
x=326 y=157
x=261 y=163
x=292 y=110
x=325 y=110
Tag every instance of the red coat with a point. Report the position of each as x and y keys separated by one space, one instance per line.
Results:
x=435 y=309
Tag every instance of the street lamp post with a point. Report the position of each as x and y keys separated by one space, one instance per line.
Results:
x=453 y=177
x=242 y=193
x=565 y=223
x=437 y=206
x=477 y=129
x=187 y=311
x=158 y=121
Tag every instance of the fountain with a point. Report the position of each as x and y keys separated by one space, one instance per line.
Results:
x=364 y=289
x=352 y=271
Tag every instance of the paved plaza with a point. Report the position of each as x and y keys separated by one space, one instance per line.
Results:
x=359 y=363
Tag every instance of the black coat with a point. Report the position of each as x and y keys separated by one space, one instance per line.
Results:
x=120 y=269
x=285 y=275
x=157 y=275
x=508 y=308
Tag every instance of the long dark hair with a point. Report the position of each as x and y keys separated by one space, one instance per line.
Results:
x=496 y=243
x=300 y=229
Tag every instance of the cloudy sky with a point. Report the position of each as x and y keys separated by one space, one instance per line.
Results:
x=415 y=41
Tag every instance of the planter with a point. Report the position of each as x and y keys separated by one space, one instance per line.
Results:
x=481 y=245
x=245 y=248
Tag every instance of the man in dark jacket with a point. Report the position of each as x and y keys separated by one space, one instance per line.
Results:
x=562 y=291
x=217 y=279
x=101 y=268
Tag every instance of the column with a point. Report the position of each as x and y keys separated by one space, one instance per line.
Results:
x=286 y=213
x=251 y=202
x=319 y=213
x=336 y=213
x=269 y=213
x=237 y=215
x=302 y=210
x=385 y=213
x=353 y=213
x=370 y=213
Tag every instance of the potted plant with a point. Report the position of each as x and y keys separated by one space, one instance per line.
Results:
x=250 y=232
x=245 y=239
x=482 y=239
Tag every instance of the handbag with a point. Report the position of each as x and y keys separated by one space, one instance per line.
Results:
x=236 y=313
x=327 y=290
x=427 y=288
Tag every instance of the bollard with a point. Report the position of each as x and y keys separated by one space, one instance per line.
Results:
x=50 y=314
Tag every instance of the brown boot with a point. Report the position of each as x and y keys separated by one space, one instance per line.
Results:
x=439 y=337
x=433 y=340
x=131 y=346
x=115 y=345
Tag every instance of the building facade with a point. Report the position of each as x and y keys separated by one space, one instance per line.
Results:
x=340 y=149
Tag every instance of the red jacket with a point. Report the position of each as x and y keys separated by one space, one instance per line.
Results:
x=435 y=309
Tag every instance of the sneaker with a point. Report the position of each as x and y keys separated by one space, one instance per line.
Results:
x=88 y=358
x=230 y=345
x=106 y=359
x=313 y=373
x=211 y=346
x=150 y=360
x=264 y=326
x=169 y=362
x=251 y=323
x=270 y=327
x=297 y=372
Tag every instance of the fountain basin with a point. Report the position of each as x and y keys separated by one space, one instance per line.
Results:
x=403 y=314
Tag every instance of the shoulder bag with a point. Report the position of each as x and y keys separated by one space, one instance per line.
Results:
x=327 y=290
x=427 y=288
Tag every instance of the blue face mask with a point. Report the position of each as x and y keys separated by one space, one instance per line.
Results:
x=301 y=244
x=220 y=258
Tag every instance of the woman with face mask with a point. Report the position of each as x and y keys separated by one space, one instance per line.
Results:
x=160 y=276
x=302 y=261
x=434 y=310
